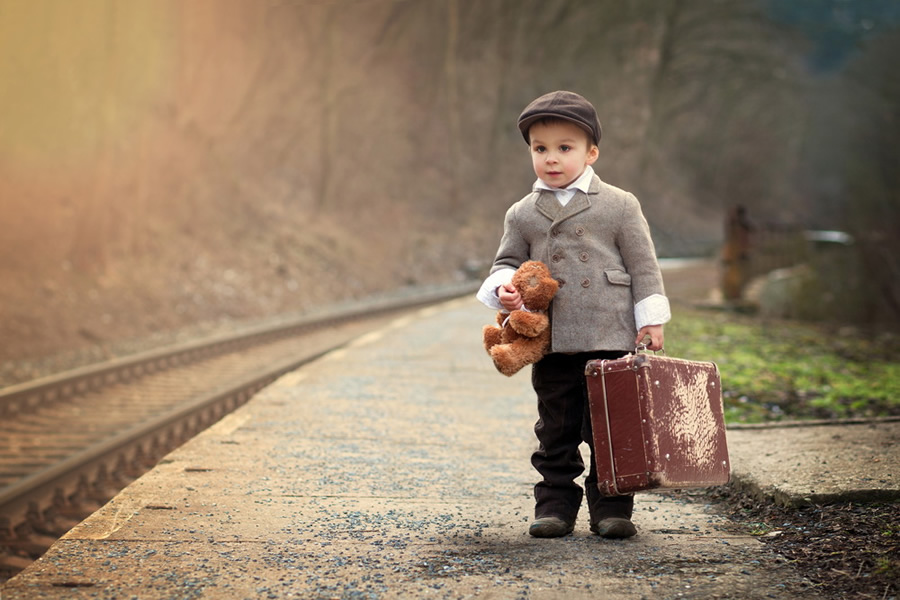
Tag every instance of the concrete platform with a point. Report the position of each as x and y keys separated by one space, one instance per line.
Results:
x=398 y=467
x=797 y=465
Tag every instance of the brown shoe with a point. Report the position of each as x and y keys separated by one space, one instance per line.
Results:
x=614 y=528
x=550 y=527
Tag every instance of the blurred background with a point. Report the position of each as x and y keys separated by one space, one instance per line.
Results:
x=165 y=163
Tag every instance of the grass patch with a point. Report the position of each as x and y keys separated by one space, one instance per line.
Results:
x=776 y=370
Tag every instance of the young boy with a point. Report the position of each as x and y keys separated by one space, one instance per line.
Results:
x=595 y=240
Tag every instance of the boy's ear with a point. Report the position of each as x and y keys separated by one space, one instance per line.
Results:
x=592 y=154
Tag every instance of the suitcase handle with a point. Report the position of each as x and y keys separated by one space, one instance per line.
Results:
x=643 y=348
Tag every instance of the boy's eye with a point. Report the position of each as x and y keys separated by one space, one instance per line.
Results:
x=540 y=149
x=565 y=148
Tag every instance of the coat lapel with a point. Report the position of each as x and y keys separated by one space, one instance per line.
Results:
x=578 y=203
x=549 y=206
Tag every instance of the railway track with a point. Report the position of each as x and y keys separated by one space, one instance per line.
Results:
x=72 y=441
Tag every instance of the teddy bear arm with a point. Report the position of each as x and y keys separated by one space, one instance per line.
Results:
x=529 y=324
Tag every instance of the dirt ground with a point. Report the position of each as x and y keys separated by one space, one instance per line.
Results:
x=847 y=550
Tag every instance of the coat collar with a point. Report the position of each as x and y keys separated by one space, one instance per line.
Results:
x=549 y=206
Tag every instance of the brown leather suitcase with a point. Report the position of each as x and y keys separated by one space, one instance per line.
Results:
x=657 y=422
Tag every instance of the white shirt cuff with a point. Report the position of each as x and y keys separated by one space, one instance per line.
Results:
x=652 y=310
x=487 y=294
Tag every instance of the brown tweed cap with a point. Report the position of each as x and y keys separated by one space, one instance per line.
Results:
x=561 y=105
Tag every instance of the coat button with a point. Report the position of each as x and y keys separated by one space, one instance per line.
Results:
x=561 y=282
x=556 y=258
x=555 y=233
x=583 y=256
x=579 y=230
x=586 y=283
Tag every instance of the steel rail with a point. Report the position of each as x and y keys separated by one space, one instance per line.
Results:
x=41 y=489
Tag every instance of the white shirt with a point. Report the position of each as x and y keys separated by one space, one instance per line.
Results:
x=563 y=195
x=652 y=310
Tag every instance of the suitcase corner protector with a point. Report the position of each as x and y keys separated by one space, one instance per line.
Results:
x=606 y=488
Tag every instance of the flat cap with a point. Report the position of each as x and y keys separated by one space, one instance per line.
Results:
x=561 y=105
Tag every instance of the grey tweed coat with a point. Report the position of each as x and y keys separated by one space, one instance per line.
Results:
x=599 y=248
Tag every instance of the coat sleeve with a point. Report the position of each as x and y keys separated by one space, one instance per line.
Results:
x=638 y=252
x=514 y=248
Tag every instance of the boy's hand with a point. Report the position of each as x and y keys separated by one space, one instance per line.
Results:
x=509 y=297
x=655 y=332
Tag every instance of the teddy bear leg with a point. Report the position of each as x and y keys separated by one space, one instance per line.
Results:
x=533 y=350
x=491 y=335
x=506 y=359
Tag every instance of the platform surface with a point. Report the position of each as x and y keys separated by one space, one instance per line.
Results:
x=398 y=467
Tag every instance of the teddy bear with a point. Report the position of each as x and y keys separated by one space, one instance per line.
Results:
x=522 y=337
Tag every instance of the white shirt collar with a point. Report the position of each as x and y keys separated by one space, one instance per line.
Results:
x=565 y=194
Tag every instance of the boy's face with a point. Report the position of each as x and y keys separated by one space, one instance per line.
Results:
x=560 y=151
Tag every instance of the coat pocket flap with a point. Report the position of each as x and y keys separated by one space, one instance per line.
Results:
x=618 y=277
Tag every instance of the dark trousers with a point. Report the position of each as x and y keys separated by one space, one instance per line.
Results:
x=563 y=424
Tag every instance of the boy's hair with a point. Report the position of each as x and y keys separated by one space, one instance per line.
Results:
x=567 y=106
x=553 y=121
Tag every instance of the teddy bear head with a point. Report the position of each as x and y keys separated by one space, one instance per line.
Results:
x=535 y=285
